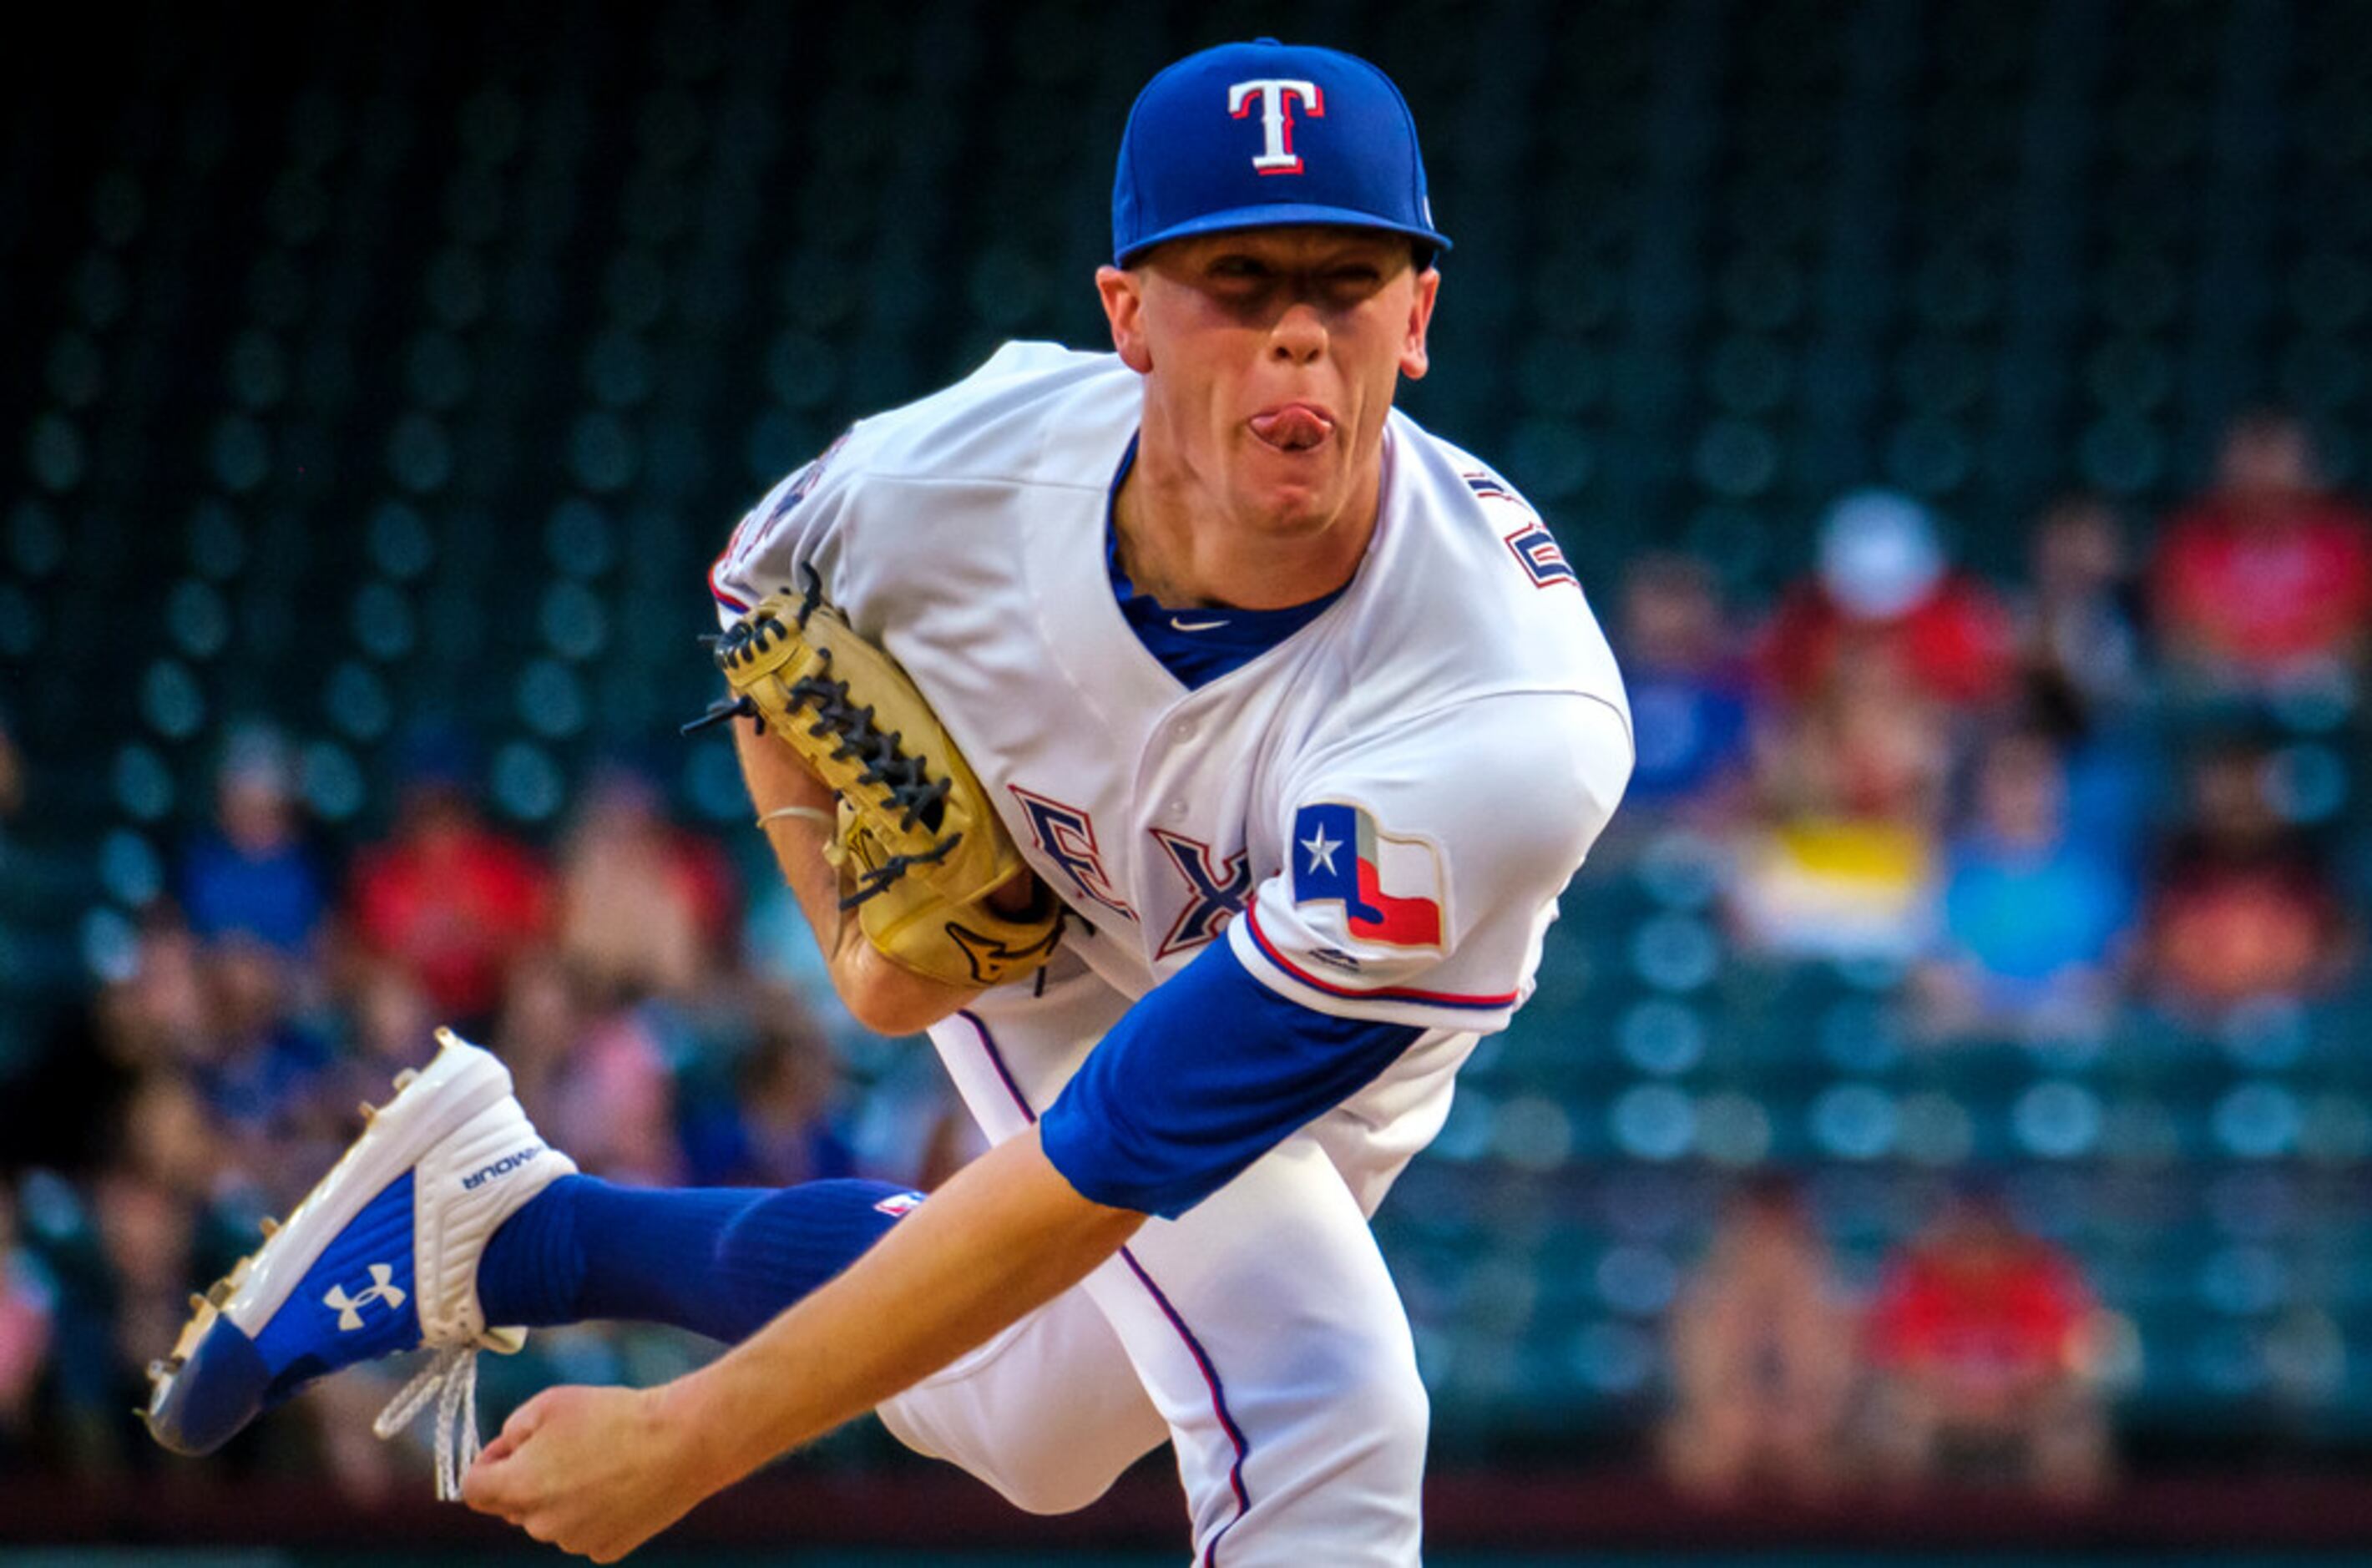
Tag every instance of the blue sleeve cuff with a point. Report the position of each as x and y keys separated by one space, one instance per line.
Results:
x=1207 y=1073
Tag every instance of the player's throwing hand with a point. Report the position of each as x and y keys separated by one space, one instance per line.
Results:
x=595 y=1472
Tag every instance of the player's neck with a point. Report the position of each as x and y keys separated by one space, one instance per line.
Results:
x=1178 y=545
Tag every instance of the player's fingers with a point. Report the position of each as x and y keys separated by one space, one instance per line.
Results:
x=486 y=1487
x=524 y=1420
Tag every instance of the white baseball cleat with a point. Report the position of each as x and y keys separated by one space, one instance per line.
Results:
x=381 y=1257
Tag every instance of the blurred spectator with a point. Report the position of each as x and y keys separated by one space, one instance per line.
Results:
x=2086 y=685
x=1689 y=695
x=2265 y=582
x=249 y=872
x=12 y=771
x=2032 y=915
x=448 y=899
x=599 y=1080
x=167 y=1142
x=152 y=1014
x=1851 y=785
x=1981 y=1337
x=646 y=909
x=145 y=1231
x=260 y=1065
x=1884 y=588
x=2243 y=905
x=2079 y=630
x=774 y=1126
x=1762 y=1356
x=27 y=1299
x=539 y=1027
x=613 y=1105
x=159 y=1014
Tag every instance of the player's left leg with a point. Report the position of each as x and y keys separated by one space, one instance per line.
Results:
x=450 y=1221
x=381 y=1256
x=721 y=1261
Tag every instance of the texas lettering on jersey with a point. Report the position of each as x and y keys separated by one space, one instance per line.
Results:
x=1217 y=888
x=1216 y=884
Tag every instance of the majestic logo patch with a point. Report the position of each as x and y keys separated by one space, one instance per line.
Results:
x=1275 y=97
x=349 y=1309
x=1391 y=886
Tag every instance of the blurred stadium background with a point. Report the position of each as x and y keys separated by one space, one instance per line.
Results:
x=1949 y=1084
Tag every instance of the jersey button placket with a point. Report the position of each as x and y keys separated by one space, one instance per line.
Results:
x=1181 y=734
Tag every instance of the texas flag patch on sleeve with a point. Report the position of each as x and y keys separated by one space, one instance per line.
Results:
x=1390 y=885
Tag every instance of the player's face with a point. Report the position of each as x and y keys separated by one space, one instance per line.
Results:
x=1270 y=357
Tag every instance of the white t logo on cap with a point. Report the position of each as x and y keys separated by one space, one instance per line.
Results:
x=1276 y=98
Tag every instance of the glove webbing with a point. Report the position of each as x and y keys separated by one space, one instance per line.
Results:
x=917 y=797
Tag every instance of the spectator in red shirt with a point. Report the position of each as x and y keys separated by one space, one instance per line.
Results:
x=2243 y=906
x=645 y=907
x=1982 y=1339
x=2265 y=582
x=1884 y=583
x=449 y=900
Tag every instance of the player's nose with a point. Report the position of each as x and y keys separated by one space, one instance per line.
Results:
x=1299 y=335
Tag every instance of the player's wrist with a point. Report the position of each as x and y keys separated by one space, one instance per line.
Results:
x=698 y=1438
x=883 y=994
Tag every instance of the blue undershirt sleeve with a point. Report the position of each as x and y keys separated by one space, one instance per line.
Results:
x=1207 y=1073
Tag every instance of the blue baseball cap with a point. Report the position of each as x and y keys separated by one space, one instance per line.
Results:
x=1248 y=135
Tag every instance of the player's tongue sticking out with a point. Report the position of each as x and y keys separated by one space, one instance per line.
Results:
x=1296 y=427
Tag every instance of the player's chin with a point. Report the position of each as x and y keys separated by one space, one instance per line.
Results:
x=1290 y=488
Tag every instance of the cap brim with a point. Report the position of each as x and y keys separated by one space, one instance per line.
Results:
x=1277 y=215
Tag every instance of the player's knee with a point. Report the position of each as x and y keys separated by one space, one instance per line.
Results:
x=1049 y=1490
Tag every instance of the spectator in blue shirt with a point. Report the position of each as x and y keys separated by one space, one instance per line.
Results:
x=2034 y=917
x=1687 y=691
x=251 y=873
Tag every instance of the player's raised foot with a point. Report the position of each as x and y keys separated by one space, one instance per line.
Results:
x=381 y=1257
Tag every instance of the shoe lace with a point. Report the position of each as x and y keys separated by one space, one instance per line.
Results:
x=451 y=1379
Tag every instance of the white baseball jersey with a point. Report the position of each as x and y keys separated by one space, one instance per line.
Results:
x=1390 y=798
x=1376 y=814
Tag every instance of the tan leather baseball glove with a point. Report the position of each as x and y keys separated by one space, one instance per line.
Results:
x=919 y=848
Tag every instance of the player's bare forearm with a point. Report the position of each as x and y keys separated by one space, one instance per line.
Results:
x=880 y=994
x=600 y=1471
x=1006 y=1235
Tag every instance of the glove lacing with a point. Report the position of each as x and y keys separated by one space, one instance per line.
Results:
x=451 y=1379
x=912 y=791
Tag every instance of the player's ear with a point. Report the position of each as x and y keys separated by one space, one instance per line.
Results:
x=1123 y=297
x=1414 y=361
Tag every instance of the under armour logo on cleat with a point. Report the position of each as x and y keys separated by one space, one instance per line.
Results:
x=350 y=1308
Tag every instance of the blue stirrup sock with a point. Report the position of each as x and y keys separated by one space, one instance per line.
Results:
x=718 y=1260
